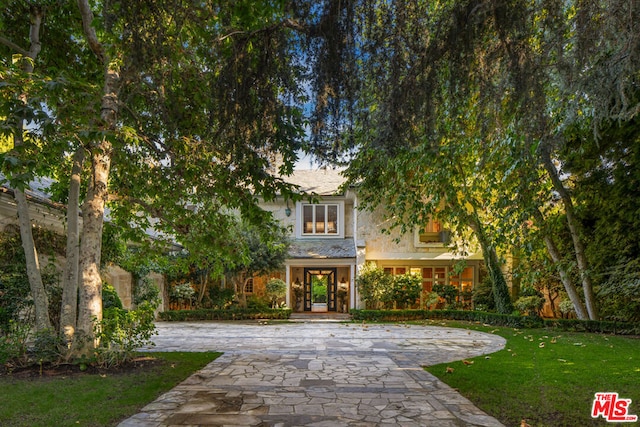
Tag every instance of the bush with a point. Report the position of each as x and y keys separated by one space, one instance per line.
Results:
x=448 y=292
x=228 y=314
x=483 y=295
x=220 y=298
x=13 y=343
x=182 y=292
x=146 y=290
x=372 y=282
x=596 y=326
x=110 y=297
x=404 y=290
x=276 y=289
x=380 y=289
x=122 y=332
x=529 y=305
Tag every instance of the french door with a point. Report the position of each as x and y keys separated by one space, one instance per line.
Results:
x=320 y=286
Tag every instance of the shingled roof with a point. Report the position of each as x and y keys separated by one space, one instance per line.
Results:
x=322 y=249
x=323 y=182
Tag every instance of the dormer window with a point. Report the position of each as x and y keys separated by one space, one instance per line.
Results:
x=433 y=233
x=321 y=220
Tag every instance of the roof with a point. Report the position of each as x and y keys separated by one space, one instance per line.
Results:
x=323 y=182
x=322 y=248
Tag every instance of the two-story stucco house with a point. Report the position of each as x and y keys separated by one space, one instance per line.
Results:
x=332 y=239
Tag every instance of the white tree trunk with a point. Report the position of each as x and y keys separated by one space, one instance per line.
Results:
x=93 y=207
x=41 y=303
x=69 y=312
x=572 y=223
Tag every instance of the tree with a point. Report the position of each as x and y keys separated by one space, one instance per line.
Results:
x=514 y=78
x=179 y=116
x=261 y=250
x=19 y=116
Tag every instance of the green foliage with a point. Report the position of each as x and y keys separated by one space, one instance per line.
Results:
x=123 y=332
x=448 y=292
x=110 y=297
x=13 y=343
x=372 y=282
x=234 y=313
x=46 y=347
x=220 y=298
x=483 y=299
x=276 y=289
x=182 y=292
x=378 y=289
x=497 y=319
x=529 y=305
x=14 y=285
x=145 y=290
x=405 y=290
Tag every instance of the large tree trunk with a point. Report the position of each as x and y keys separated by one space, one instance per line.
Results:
x=68 y=314
x=40 y=300
x=572 y=223
x=498 y=282
x=93 y=207
x=569 y=287
x=41 y=303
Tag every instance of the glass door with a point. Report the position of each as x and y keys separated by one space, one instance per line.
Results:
x=320 y=288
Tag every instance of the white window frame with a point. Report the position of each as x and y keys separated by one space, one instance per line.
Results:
x=300 y=234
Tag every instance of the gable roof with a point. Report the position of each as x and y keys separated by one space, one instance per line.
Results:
x=323 y=182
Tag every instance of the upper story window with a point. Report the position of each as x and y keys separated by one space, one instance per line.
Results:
x=432 y=233
x=321 y=220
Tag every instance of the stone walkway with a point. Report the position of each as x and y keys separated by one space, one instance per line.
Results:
x=321 y=374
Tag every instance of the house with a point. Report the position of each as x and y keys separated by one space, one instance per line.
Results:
x=332 y=239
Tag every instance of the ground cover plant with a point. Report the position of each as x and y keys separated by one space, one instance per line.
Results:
x=546 y=376
x=95 y=397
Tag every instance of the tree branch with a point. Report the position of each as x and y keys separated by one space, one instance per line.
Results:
x=11 y=45
x=89 y=31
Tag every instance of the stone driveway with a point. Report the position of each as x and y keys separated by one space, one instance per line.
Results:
x=317 y=374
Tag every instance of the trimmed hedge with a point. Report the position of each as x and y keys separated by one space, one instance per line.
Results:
x=495 y=319
x=227 y=314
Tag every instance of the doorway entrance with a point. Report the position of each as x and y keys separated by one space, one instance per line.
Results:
x=320 y=287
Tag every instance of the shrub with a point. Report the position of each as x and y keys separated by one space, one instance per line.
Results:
x=220 y=298
x=404 y=290
x=448 y=292
x=235 y=313
x=122 y=332
x=371 y=282
x=13 y=343
x=182 y=292
x=146 y=290
x=110 y=297
x=529 y=305
x=276 y=289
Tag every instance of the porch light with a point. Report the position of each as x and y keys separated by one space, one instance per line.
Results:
x=287 y=210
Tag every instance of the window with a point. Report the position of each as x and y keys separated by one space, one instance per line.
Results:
x=248 y=287
x=432 y=232
x=433 y=276
x=321 y=219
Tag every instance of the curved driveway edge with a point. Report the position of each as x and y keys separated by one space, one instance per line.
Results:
x=317 y=374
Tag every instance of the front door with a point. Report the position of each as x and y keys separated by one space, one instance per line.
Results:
x=320 y=288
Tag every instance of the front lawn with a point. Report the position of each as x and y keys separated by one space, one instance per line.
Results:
x=547 y=377
x=92 y=399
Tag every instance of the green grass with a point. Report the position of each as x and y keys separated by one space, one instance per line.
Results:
x=93 y=399
x=549 y=378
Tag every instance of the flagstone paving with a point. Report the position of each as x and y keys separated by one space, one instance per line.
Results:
x=320 y=374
